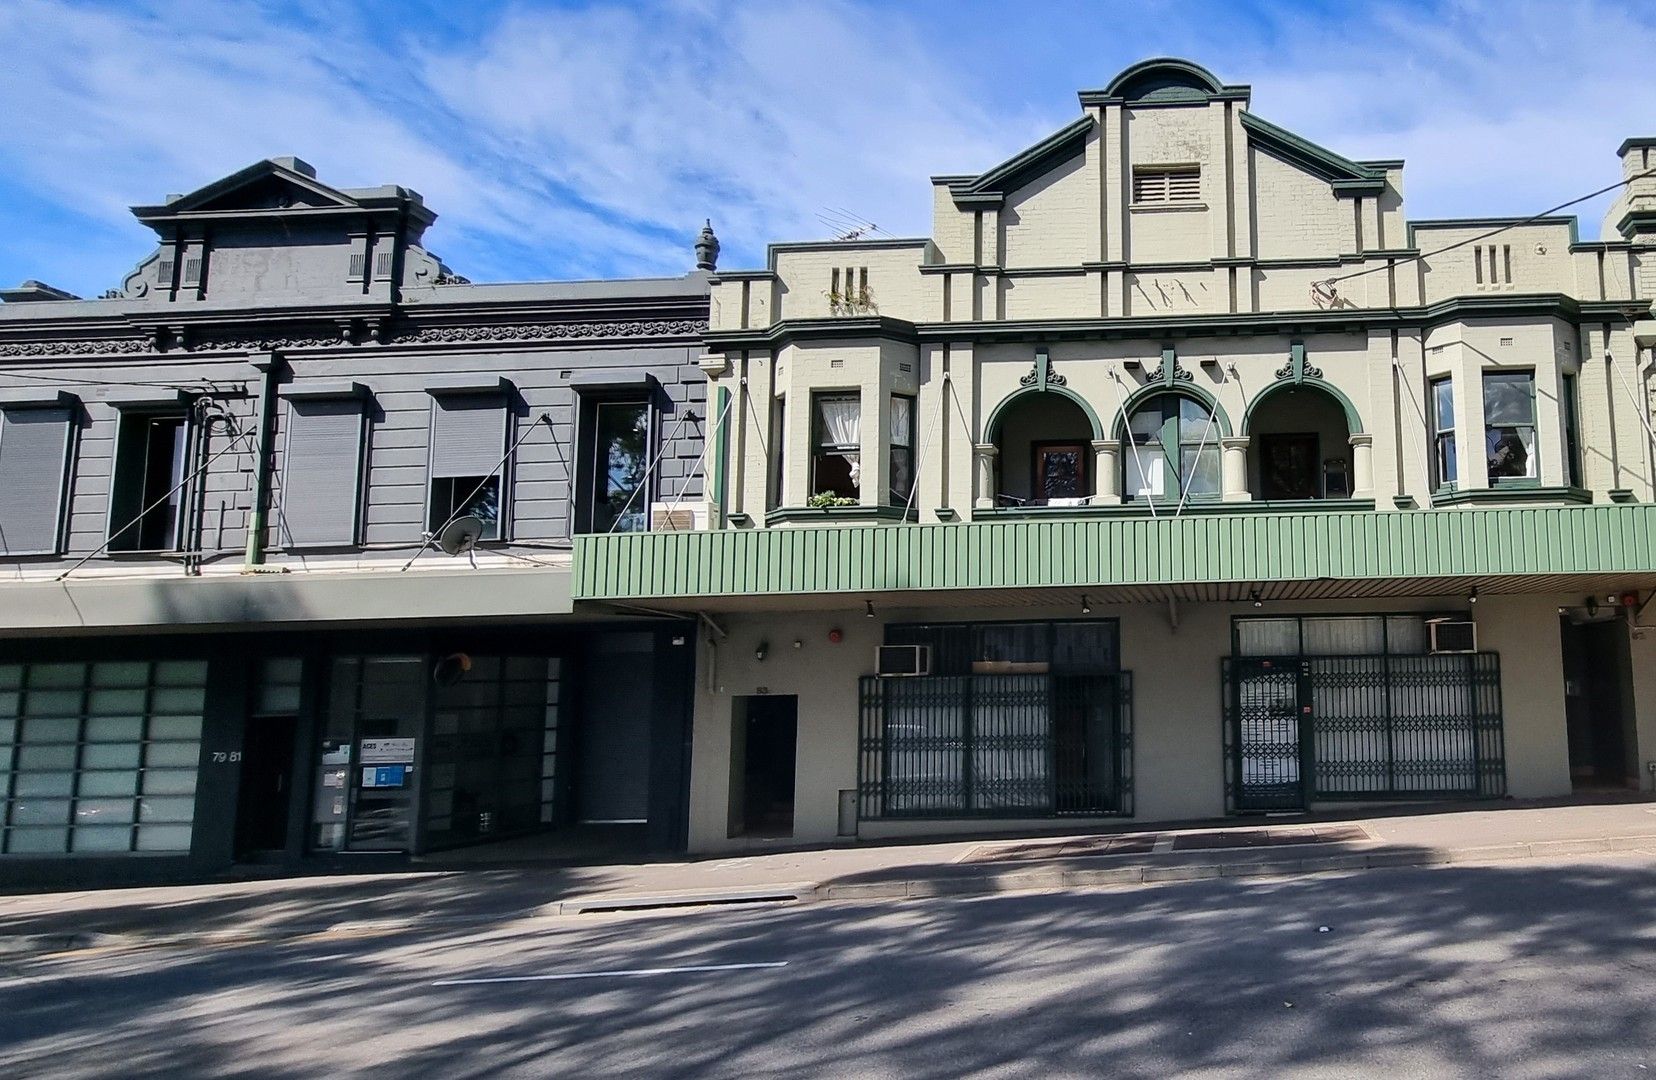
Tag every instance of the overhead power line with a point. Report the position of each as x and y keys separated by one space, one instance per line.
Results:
x=1330 y=282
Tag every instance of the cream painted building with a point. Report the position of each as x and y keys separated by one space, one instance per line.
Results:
x=1177 y=473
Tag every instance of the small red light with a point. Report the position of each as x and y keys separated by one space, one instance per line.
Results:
x=1630 y=599
x=836 y=635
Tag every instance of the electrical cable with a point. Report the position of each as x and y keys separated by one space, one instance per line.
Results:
x=1485 y=236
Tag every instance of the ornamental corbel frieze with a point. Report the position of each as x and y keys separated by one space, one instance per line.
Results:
x=89 y=347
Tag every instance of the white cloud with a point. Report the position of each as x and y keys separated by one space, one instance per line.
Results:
x=591 y=141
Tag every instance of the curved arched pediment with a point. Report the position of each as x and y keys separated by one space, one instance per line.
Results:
x=1354 y=422
x=1153 y=390
x=1164 y=78
x=991 y=430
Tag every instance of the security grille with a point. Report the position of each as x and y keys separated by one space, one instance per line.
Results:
x=1016 y=745
x=1363 y=727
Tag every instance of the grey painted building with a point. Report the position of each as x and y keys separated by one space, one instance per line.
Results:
x=285 y=523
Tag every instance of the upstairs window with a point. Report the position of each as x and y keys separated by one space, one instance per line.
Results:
x=1572 y=433
x=1167 y=184
x=616 y=466
x=146 y=499
x=902 y=448
x=321 y=489
x=34 y=456
x=468 y=442
x=1444 y=460
x=1509 y=424
x=836 y=446
x=1173 y=450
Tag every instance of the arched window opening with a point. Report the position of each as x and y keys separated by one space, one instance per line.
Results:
x=1172 y=451
x=1301 y=446
x=1045 y=443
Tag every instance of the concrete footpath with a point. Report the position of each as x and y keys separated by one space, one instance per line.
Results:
x=1127 y=857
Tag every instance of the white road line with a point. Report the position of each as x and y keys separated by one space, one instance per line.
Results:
x=625 y=974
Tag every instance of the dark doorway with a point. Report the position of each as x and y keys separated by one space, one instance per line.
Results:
x=266 y=784
x=762 y=765
x=1060 y=471
x=1288 y=467
x=1598 y=670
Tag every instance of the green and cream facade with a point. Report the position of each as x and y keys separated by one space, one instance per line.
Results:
x=1173 y=443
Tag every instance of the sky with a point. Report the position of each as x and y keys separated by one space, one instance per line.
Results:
x=591 y=139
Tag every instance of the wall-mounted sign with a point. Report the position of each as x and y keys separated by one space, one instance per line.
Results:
x=384 y=776
x=376 y=751
x=336 y=752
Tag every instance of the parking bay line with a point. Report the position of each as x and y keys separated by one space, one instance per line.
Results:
x=621 y=974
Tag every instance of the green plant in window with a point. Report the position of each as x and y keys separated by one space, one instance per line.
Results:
x=824 y=500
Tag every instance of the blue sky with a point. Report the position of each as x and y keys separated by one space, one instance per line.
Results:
x=590 y=139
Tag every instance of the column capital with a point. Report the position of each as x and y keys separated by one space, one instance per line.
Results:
x=1104 y=446
x=1234 y=442
x=1362 y=439
x=986 y=449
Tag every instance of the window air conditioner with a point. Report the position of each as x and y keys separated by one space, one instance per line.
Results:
x=1453 y=635
x=902 y=660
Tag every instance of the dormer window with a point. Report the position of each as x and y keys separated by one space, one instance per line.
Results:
x=1170 y=184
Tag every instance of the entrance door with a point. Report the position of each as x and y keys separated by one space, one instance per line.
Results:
x=1266 y=740
x=1288 y=467
x=762 y=766
x=1060 y=471
x=266 y=792
x=1597 y=704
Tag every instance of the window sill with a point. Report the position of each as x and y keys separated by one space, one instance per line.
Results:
x=1165 y=207
x=1511 y=493
x=1194 y=506
x=819 y=515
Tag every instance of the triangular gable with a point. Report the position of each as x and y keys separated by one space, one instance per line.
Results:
x=1346 y=176
x=263 y=186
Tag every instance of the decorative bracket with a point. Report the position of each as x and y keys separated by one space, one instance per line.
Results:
x=1169 y=370
x=1296 y=368
x=1041 y=374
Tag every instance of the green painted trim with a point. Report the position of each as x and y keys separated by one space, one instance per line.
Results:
x=1354 y=421
x=1621 y=495
x=1604 y=538
x=1194 y=505
x=1348 y=177
x=1182 y=389
x=1635 y=220
x=822 y=515
x=1510 y=493
x=1173 y=66
x=1403 y=502
x=1012 y=173
x=991 y=430
x=722 y=465
x=1334 y=320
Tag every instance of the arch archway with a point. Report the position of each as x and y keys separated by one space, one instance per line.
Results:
x=1170 y=444
x=1044 y=439
x=1300 y=442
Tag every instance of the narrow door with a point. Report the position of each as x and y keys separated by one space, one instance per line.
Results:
x=768 y=727
x=1597 y=712
x=266 y=792
x=1269 y=716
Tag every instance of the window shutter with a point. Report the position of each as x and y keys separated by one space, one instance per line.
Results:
x=468 y=434
x=321 y=472
x=34 y=453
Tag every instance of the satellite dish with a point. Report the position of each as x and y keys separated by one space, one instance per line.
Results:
x=460 y=535
x=451 y=669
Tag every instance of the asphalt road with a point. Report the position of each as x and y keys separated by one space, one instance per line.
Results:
x=1522 y=969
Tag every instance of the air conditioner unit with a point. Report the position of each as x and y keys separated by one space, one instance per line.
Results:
x=902 y=660
x=1453 y=635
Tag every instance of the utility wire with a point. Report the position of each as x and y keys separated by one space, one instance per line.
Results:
x=1485 y=236
x=60 y=380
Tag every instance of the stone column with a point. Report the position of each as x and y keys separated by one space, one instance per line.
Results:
x=1233 y=468
x=1106 y=472
x=986 y=455
x=1362 y=466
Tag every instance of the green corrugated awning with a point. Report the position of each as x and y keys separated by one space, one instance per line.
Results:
x=1107 y=552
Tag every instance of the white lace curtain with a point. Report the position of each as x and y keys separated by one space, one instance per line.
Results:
x=842 y=427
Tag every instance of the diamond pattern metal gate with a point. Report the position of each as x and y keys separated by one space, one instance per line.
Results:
x=1266 y=747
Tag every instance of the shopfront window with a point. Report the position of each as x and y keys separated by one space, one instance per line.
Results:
x=368 y=770
x=100 y=757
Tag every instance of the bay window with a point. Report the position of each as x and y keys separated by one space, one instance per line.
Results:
x=836 y=445
x=902 y=448
x=1509 y=425
x=1444 y=461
